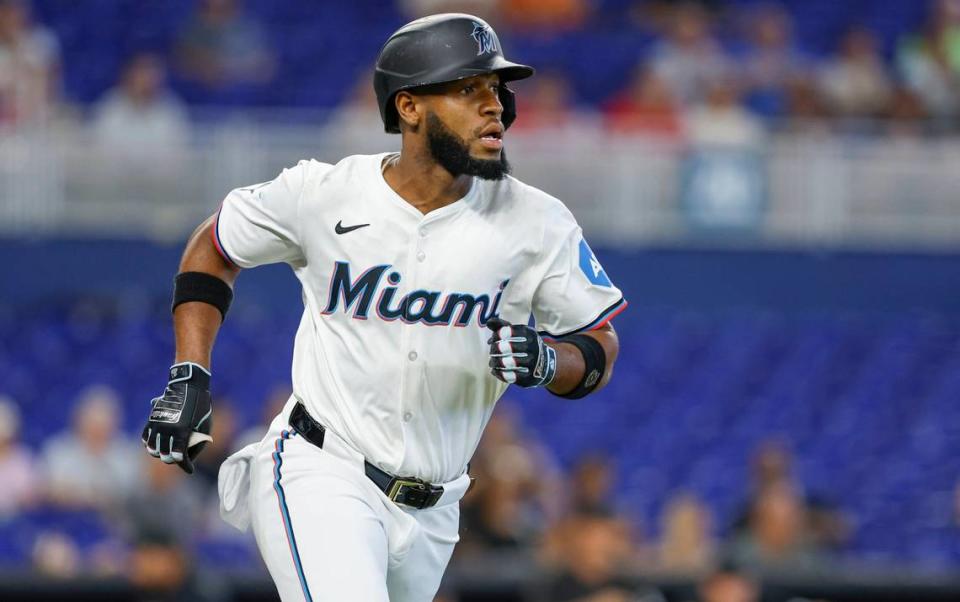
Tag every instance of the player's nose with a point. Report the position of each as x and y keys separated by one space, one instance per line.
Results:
x=491 y=106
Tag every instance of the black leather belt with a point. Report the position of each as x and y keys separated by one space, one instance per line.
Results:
x=408 y=491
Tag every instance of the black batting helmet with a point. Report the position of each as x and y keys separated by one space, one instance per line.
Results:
x=437 y=49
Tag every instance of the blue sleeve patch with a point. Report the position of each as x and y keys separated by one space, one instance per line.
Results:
x=591 y=267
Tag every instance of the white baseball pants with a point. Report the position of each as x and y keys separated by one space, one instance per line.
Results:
x=325 y=531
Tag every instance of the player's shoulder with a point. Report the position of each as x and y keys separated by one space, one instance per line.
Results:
x=357 y=163
x=309 y=170
x=346 y=169
x=297 y=177
x=516 y=199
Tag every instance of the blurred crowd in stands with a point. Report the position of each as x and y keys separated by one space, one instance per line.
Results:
x=144 y=520
x=596 y=551
x=524 y=509
x=714 y=72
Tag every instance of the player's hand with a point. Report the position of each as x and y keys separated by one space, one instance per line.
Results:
x=179 y=423
x=519 y=355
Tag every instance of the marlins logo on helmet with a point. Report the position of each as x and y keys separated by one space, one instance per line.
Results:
x=486 y=41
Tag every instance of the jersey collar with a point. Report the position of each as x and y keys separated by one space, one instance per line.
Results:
x=394 y=198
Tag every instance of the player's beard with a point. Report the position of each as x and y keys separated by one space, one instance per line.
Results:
x=453 y=153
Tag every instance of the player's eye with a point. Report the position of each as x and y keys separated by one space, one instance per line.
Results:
x=468 y=89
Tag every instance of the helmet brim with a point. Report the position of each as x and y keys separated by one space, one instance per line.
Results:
x=510 y=72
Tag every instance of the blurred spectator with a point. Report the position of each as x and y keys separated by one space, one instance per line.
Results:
x=591 y=486
x=488 y=10
x=855 y=83
x=945 y=25
x=221 y=47
x=646 y=108
x=544 y=14
x=141 y=133
x=18 y=471
x=56 y=555
x=771 y=61
x=596 y=560
x=94 y=464
x=721 y=121
x=497 y=519
x=29 y=66
x=772 y=467
x=657 y=15
x=162 y=570
x=777 y=538
x=167 y=503
x=545 y=102
x=907 y=117
x=139 y=122
x=686 y=544
x=516 y=491
x=689 y=59
x=804 y=105
x=930 y=61
x=590 y=489
x=355 y=125
x=728 y=585
x=772 y=464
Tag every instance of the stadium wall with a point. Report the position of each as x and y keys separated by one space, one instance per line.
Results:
x=703 y=280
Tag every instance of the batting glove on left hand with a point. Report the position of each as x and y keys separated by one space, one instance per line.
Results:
x=519 y=355
x=179 y=423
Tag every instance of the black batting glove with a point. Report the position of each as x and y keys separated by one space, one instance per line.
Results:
x=179 y=424
x=519 y=355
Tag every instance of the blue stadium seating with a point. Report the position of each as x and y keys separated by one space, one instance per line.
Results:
x=867 y=401
x=324 y=47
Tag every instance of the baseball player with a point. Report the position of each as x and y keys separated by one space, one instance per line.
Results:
x=420 y=272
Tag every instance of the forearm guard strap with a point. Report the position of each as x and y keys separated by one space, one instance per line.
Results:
x=594 y=360
x=202 y=287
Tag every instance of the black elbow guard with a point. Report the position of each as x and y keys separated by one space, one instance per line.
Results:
x=202 y=287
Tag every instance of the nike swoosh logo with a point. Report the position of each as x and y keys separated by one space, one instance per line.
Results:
x=341 y=229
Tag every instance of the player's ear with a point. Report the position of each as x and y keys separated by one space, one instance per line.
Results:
x=408 y=109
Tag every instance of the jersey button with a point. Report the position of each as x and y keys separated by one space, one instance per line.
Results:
x=413 y=356
x=423 y=232
x=421 y=256
x=407 y=416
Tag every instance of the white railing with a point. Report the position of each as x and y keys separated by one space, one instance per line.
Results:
x=817 y=190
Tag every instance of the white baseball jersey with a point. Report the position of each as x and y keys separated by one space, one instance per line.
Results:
x=391 y=350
